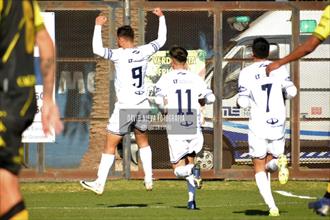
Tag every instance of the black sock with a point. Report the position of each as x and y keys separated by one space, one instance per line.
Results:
x=327 y=195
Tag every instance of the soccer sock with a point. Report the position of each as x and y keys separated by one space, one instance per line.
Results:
x=17 y=212
x=271 y=166
x=183 y=171
x=327 y=194
x=265 y=189
x=146 y=158
x=104 y=167
x=268 y=178
x=191 y=191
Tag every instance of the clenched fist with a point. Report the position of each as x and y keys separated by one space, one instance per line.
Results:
x=100 y=20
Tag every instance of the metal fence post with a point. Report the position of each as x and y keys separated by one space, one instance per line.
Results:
x=217 y=108
x=295 y=109
x=40 y=158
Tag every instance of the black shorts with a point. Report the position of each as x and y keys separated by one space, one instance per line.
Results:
x=17 y=110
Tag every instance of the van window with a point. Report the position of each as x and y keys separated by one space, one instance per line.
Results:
x=234 y=67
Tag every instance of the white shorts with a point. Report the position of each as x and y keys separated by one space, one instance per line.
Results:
x=179 y=147
x=123 y=117
x=259 y=147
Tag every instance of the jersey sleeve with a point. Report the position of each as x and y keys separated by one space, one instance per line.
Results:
x=243 y=99
x=201 y=86
x=322 y=31
x=98 y=49
x=97 y=43
x=288 y=87
x=155 y=45
x=161 y=91
x=161 y=87
x=204 y=92
x=38 y=21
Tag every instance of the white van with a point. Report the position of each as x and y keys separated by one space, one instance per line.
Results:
x=275 y=26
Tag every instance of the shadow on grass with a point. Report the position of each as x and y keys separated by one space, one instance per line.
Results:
x=185 y=207
x=126 y=205
x=253 y=212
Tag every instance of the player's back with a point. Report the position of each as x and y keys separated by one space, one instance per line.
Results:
x=17 y=40
x=182 y=94
x=130 y=65
x=184 y=91
x=268 y=112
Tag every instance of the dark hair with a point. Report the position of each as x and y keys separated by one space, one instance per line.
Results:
x=179 y=53
x=260 y=48
x=125 y=31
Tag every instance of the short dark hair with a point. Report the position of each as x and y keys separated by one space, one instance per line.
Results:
x=125 y=31
x=179 y=53
x=260 y=48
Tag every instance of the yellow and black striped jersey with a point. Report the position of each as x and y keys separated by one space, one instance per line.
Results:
x=322 y=31
x=19 y=23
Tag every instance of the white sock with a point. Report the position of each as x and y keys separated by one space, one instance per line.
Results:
x=264 y=189
x=104 y=167
x=268 y=178
x=183 y=171
x=191 y=191
x=272 y=165
x=146 y=158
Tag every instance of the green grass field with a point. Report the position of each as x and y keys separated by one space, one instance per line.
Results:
x=128 y=200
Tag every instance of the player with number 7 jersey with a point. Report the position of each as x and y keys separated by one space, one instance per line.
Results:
x=265 y=96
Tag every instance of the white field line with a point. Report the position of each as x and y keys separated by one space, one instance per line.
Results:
x=289 y=194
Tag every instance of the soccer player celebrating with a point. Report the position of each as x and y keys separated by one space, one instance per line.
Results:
x=181 y=91
x=130 y=65
x=266 y=98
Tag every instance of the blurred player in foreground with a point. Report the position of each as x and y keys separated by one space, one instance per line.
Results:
x=180 y=93
x=322 y=32
x=21 y=26
x=130 y=64
x=266 y=98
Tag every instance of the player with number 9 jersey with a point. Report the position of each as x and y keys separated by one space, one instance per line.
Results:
x=130 y=63
x=132 y=106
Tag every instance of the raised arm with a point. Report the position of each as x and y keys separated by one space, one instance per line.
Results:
x=162 y=29
x=98 y=48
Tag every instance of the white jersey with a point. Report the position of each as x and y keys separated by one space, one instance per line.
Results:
x=182 y=89
x=266 y=99
x=130 y=64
